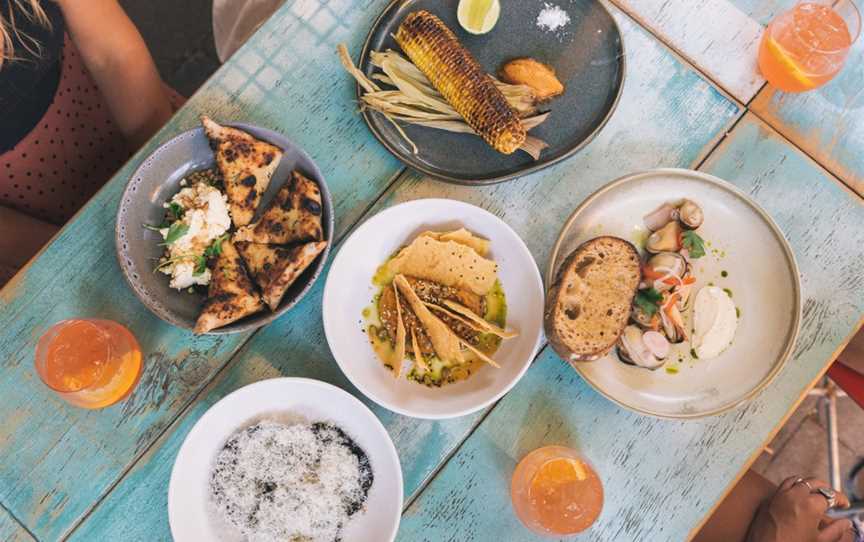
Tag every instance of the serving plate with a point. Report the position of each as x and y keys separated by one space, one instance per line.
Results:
x=283 y=399
x=587 y=54
x=156 y=181
x=761 y=275
x=349 y=290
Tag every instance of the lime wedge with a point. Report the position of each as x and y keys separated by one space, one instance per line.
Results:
x=478 y=16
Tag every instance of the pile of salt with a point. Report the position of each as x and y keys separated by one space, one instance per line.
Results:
x=552 y=17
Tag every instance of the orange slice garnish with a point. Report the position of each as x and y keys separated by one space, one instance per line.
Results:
x=557 y=472
x=789 y=65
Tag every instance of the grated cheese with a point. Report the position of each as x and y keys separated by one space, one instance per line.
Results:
x=278 y=482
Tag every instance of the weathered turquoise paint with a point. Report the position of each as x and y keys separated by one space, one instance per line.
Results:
x=762 y=11
x=668 y=115
x=293 y=346
x=661 y=477
x=59 y=460
x=827 y=122
x=720 y=37
x=11 y=530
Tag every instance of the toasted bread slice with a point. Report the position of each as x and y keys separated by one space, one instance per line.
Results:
x=230 y=295
x=590 y=302
x=275 y=268
x=294 y=215
x=246 y=164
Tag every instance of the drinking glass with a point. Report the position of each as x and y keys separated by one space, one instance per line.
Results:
x=89 y=363
x=556 y=492
x=805 y=47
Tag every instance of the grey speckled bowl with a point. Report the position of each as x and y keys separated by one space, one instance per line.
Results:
x=155 y=181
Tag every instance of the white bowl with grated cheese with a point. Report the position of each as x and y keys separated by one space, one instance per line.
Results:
x=192 y=513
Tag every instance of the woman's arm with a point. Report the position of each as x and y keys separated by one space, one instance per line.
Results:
x=22 y=237
x=853 y=355
x=732 y=517
x=117 y=58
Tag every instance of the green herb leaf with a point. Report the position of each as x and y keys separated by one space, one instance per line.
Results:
x=176 y=211
x=215 y=248
x=176 y=231
x=200 y=266
x=648 y=300
x=693 y=243
x=165 y=262
x=153 y=228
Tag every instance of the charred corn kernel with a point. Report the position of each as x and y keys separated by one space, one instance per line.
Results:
x=457 y=75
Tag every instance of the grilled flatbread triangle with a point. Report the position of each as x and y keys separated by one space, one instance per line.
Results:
x=294 y=215
x=246 y=164
x=276 y=268
x=231 y=295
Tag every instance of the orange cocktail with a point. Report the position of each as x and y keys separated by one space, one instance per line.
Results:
x=555 y=492
x=89 y=363
x=805 y=47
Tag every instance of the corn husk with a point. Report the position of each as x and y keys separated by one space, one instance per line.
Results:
x=414 y=100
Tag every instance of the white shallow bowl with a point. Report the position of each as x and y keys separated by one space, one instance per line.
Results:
x=290 y=399
x=349 y=290
x=762 y=276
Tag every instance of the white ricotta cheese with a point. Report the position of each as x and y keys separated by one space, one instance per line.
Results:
x=206 y=217
x=714 y=322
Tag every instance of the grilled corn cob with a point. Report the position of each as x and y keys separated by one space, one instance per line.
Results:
x=457 y=75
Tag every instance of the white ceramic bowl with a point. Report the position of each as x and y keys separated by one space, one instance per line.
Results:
x=760 y=272
x=189 y=512
x=349 y=290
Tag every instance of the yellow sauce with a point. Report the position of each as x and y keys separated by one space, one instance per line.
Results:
x=439 y=373
x=380 y=344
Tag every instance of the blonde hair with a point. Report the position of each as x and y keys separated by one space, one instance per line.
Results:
x=31 y=10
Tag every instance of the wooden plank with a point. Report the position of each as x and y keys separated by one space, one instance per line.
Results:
x=294 y=346
x=763 y=11
x=825 y=122
x=790 y=413
x=718 y=36
x=58 y=460
x=668 y=115
x=11 y=530
x=661 y=477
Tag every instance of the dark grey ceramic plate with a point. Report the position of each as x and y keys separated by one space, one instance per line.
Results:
x=155 y=181
x=587 y=54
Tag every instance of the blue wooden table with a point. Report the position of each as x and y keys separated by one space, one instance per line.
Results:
x=692 y=98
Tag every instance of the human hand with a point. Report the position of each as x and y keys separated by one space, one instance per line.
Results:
x=796 y=513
